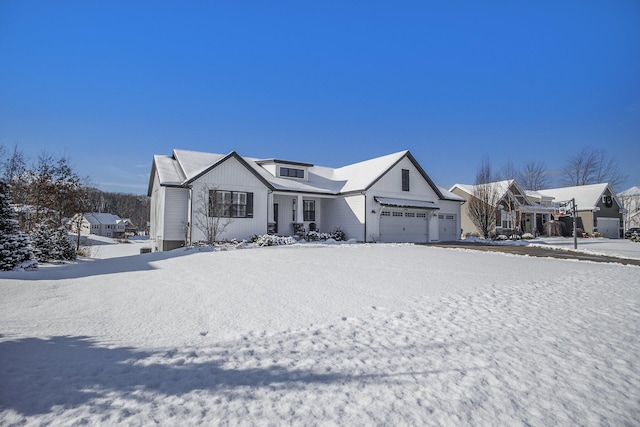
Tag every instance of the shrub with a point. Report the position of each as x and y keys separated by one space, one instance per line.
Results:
x=501 y=237
x=337 y=235
x=471 y=234
x=635 y=237
x=271 y=240
x=527 y=236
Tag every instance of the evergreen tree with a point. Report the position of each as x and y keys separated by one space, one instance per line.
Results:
x=14 y=244
x=63 y=248
x=42 y=243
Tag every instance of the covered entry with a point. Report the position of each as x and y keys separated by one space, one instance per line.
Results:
x=405 y=221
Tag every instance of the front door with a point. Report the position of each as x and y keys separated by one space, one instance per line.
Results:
x=275 y=218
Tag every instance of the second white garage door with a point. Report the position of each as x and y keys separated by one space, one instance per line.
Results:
x=447 y=227
x=404 y=226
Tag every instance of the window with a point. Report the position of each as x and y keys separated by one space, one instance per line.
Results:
x=397 y=214
x=421 y=215
x=385 y=213
x=506 y=219
x=230 y=204
x=309 y=211
x=410 y=214
x=405 y=179
x=293 y=210
x=292 y=173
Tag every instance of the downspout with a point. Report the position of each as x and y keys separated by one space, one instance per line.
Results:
x=190 y=218
x=364 y=193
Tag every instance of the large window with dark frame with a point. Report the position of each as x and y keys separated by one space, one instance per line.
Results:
x=292 y=172
x=405 y=179
x=230 y=204
x=309 y=213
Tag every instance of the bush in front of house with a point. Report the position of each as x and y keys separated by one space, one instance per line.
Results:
x=635 y=237
x=337 y=235
x=527 y=236
x=271 y=240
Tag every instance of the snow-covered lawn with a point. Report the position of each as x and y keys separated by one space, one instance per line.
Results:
x=623 y=248
x=321 y=335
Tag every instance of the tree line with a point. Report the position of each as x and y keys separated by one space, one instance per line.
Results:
x=48 y=190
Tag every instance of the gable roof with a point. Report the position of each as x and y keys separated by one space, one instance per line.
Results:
x=630 y=192
x=185 y=166
x=101 y=218
x=587 y=196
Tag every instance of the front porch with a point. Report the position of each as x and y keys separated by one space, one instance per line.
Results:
x=294 y=214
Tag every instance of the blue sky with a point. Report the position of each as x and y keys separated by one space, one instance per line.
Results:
x=111 y=83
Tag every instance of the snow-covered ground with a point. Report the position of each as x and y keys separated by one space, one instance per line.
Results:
x=622 y=248
x=320 y=335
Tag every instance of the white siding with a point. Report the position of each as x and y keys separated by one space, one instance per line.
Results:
x=233 y=176
x=175 y=213
x=346 y=213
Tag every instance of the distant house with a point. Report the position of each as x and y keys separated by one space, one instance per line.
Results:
x=101 y=224
x=599 y=210
x=514 y=210
x=389 y=198
x=630 y=200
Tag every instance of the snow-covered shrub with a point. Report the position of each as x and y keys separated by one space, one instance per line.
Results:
x=471 y=234
x=52 y=244
x=15 y=251
x=595 y=234
x=635 y=237
x=527 y=236
x=501 y=237
x=271 y=240
x=337 y=235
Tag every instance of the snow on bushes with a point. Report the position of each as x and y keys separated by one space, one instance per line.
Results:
x=271 y=240
x=337 y=235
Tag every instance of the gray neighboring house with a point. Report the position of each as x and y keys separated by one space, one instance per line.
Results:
x=597 y=205
x=101 y=224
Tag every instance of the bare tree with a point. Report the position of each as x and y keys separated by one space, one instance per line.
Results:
x=212 y=214
x=509 y=171
x=14 y=167
x=533 y=175
x=483 y=203
x=592 y=166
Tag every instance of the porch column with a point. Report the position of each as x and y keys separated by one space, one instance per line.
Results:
x=299 y=207
x=270 y=218
x=534 y=226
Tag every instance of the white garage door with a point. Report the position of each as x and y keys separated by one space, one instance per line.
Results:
x=447 y=226
x=610 y=227
x=403 y=226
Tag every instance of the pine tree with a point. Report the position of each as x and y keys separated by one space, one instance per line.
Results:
x=15 y=251
x=63 y=248
x=42 y=243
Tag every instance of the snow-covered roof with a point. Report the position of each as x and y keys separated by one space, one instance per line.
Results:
x=500 y=186
x=102 y=218
x=587 y=196
x=406 y=203
x=630 y=192
x=184 y=166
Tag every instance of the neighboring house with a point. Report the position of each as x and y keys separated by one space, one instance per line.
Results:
x=514 y=210
x=630 y=200
x=129 y=228
x=598 y=208
x=388 y=199
x=101 y=224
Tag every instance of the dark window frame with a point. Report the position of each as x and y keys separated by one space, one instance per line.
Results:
x=405 y=180
x=292 y=172
x=235 y=204
x=309 y=214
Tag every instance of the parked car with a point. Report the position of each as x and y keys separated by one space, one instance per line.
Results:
x=629 y=232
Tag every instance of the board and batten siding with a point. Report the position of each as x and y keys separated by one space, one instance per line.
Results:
x=346 y=213
x=232 y=176
x=390 y=185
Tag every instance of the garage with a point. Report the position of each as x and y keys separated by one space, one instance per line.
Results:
x=404 y=226
x=609 y=227
x=447 y=226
